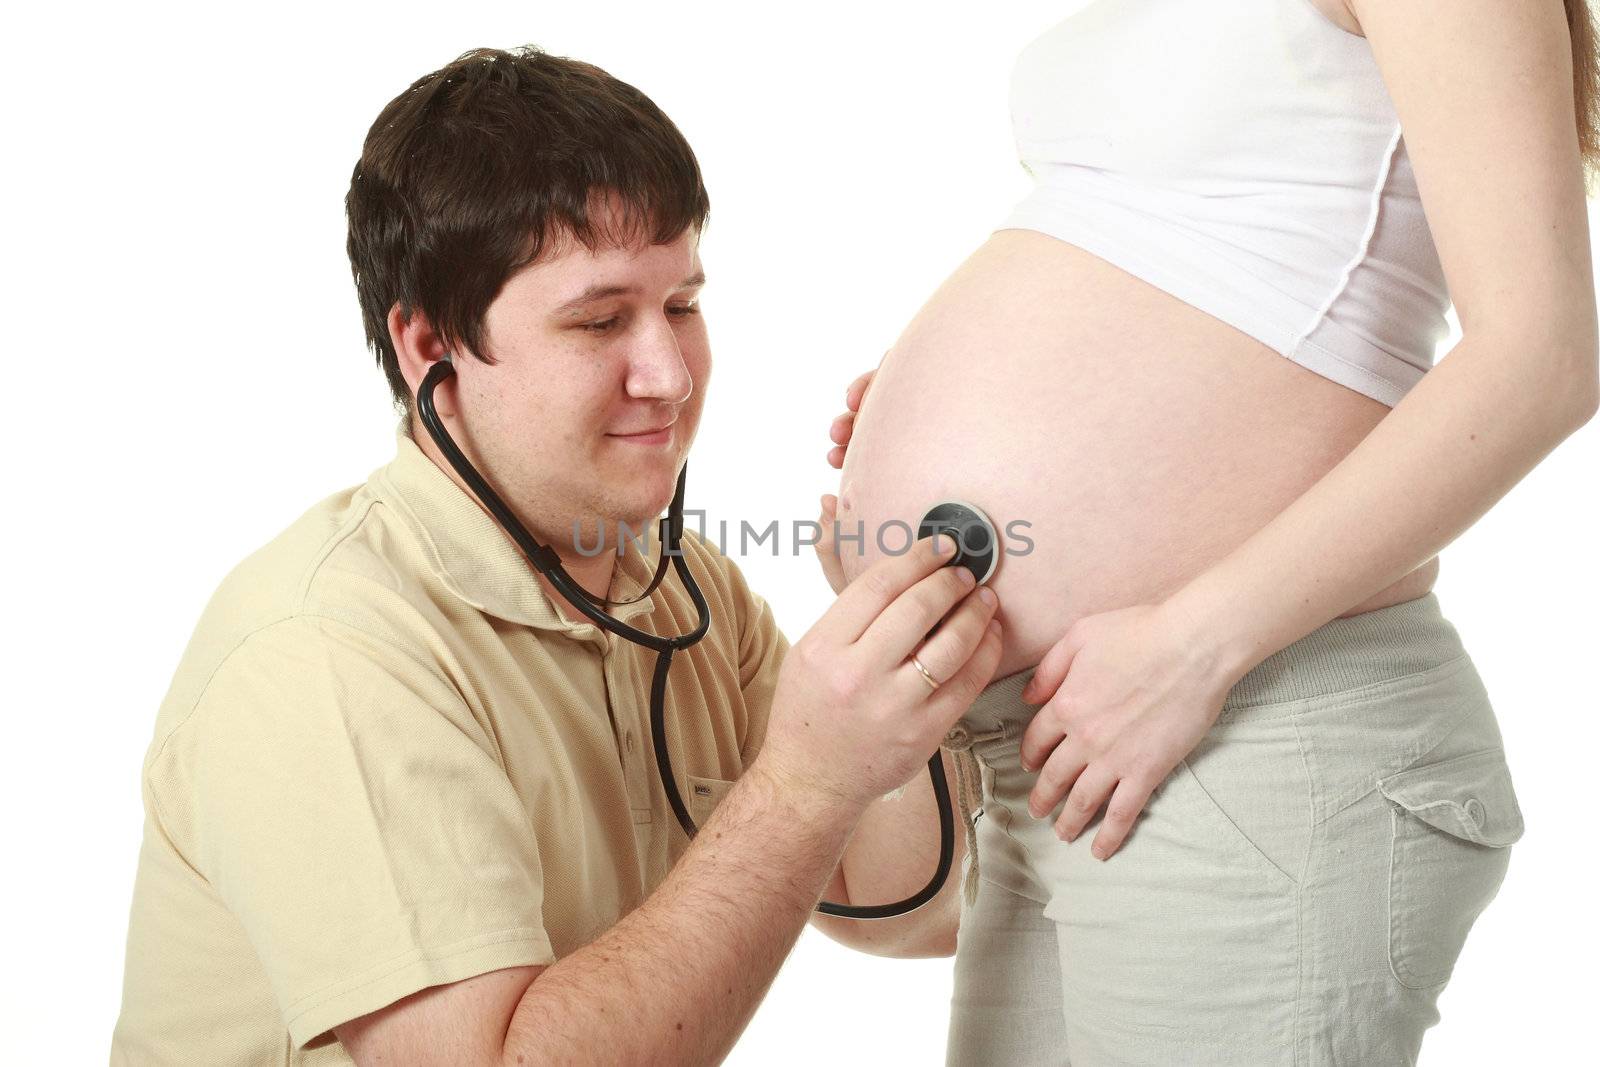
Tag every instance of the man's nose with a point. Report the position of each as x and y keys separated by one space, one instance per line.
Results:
x=656 y=368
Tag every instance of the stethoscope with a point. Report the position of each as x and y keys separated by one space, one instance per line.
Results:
x=940 y=518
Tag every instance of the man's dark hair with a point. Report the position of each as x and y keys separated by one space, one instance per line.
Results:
x=473 y=171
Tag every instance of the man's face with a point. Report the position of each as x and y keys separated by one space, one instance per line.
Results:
x=594 y=349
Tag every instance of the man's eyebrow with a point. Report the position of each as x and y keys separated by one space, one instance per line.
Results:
x=601 y=292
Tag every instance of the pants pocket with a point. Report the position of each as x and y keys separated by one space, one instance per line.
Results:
x=1452 y=822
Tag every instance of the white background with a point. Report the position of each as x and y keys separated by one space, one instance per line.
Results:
x=186 y=375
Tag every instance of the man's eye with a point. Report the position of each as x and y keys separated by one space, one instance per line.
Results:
x=606 y=325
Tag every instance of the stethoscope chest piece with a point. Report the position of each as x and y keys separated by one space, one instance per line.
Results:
x=979 y=545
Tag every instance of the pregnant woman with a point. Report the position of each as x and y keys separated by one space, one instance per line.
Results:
x=1244 y=793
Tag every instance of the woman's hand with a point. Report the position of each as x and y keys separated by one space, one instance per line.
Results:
x=1127 y=695
x=827 y=547
x=839 y=432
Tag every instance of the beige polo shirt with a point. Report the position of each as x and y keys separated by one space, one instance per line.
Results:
x=386 y=762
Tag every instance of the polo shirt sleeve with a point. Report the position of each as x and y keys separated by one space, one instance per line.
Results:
x=762 y=647
x=355 y=818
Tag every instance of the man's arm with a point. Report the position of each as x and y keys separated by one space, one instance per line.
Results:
x=674 y=981
x=891 y=855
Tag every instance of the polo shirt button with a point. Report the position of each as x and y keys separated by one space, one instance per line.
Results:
x=630 y=740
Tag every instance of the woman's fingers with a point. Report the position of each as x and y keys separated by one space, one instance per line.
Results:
x=858 y=390
x=839 y=433
x=1043 y=734
x=1126 y=802
x=1057 y=775
x=1052 y=670
x=827 y=547
x=1088 y=786
x=843 y=426
x=1090 y=791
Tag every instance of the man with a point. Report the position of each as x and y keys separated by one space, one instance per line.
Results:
x=400 y=802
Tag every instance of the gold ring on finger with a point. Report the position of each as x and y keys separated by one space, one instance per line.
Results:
x=917 y=663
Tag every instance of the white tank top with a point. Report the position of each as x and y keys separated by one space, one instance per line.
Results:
x=1244 y=156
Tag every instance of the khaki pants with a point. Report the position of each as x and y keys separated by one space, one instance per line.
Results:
x=1296 y=892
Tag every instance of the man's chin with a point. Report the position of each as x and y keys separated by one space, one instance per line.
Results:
x=643 y=508
x=639 y=486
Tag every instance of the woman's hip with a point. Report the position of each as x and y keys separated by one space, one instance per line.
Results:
x=1320 y=854
x=1386 y=704
x=1327 y=718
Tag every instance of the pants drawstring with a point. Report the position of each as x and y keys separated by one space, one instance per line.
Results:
x=969 y=792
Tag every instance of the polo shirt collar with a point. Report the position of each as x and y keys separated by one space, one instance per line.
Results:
x=477 y=560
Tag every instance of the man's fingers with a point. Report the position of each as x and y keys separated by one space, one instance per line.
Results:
x=880 y=585
x=903 y=625
x=841 y=428
x=947 y=651
x=956 y=695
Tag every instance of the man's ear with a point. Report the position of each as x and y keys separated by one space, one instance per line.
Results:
x=417 y=347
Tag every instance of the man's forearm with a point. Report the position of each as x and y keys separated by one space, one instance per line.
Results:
x=677 y=979
x=891 y=855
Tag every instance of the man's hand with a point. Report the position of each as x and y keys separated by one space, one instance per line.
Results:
x=852 y=717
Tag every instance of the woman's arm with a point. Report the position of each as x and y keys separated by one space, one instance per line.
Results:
x=1461 y=438
x=1484 y=94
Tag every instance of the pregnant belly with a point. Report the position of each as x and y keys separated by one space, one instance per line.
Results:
x=1120 y=439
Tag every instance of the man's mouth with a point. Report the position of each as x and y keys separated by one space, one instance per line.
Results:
x=658 y=435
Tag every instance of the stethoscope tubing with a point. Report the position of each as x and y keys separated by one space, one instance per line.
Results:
x=548 y=562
